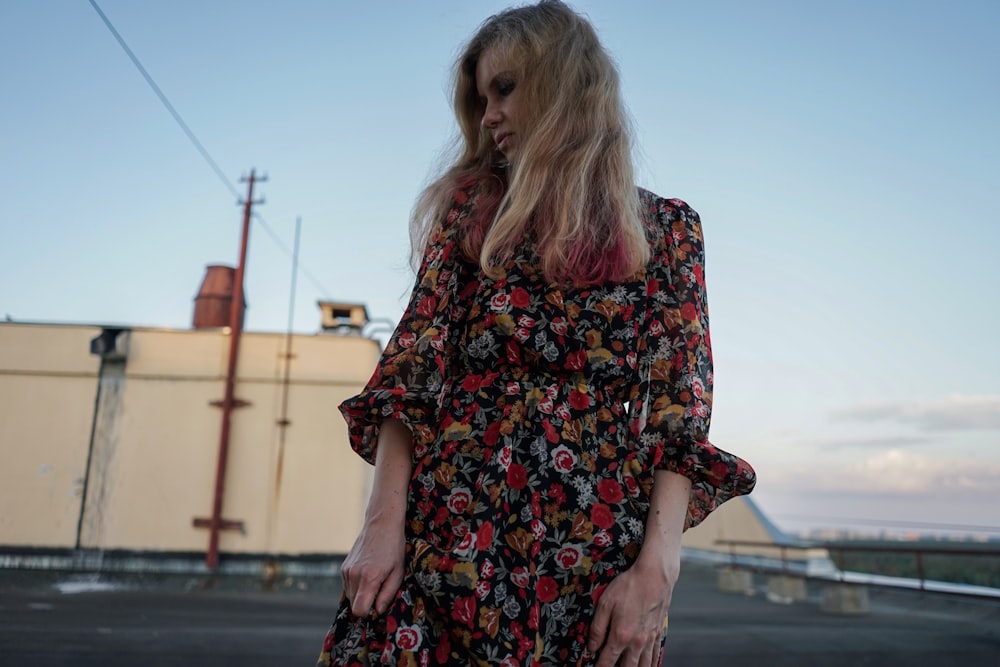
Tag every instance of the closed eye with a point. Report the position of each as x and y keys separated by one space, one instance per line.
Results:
x=503 y=85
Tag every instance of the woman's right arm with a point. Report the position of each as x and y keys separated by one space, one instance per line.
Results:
x=373 y=570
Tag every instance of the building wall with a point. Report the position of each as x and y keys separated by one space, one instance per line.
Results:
x=152 y=439
x=155 y=443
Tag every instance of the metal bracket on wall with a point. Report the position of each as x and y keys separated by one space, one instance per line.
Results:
x=237 y=403
x=224 y=524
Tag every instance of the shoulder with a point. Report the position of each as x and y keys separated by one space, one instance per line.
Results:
x=668 y=221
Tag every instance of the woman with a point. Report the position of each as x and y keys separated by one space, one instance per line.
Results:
x=538 y=421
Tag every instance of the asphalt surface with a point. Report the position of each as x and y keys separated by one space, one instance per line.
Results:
x=41 y=626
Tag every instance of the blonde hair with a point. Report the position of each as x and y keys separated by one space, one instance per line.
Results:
x=573 y=175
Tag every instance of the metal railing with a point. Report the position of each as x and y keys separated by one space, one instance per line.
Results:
x=919 y=551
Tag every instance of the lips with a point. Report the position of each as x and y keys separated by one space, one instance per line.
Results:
x=502 y=139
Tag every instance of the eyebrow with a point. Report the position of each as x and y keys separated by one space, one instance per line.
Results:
x=506 y=75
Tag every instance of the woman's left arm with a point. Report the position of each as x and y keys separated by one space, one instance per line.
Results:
x=630 y=618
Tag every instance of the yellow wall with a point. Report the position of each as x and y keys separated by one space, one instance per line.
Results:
x=47 y=392
x=156 y=444
x=156 y=441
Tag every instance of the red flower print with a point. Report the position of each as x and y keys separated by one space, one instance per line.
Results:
x=533 y=617
x=576 y=361
x=557 y=494
x=492 y=434
x=569 y=556
x=520 y=298
x=443 y=650
x=601 y=515
x=482 y=589
x=499 y=301
x=699 y=274
x=526 y=321
x=537 y=529
x=407 y=340
x=579 y=400
x=513 y=353
x=464 y=610
x=517 y=476
x=697 y=387
x=509 y=661
x=486 y=570
x=472 y=382
x=408 y=637
x=632 y=486
x=551 y=434
x=548 y=589
x=484 y=536
x=603 y=539
x=610 y=491
x=504 y=456
x=656 y=328
x=466 y=544
x=559 y=325
x=426 y=306
x=563 y=459
x=520 y=577
x=459 y=500
x=689 y=312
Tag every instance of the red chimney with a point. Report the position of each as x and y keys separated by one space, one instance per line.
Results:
x=215 y=298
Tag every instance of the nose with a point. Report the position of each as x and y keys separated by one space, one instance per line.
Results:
x=491 y=117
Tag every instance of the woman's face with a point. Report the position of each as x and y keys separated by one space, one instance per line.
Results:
x=499 y=97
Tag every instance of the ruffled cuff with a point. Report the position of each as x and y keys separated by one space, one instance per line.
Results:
x=716 y=475
x=365 y=413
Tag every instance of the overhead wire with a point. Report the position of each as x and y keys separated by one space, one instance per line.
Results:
x=200 y=147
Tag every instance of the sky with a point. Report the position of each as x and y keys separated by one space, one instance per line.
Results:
x=844 y=157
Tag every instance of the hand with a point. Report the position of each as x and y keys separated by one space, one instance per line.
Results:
x=373 y=570
x=629 y=618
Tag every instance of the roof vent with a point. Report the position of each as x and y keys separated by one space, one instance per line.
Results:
x=343 y=318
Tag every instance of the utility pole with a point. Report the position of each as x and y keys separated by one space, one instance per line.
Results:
x=229 y=402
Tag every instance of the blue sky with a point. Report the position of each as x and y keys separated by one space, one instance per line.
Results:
x=843 y=157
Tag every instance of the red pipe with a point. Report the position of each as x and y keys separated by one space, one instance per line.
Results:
x=228 y=401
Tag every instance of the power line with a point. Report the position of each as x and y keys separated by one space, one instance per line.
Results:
x=163 y=98
x=281 y=244
x=201 y=148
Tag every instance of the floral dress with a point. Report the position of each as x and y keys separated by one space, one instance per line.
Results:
x=539 y=415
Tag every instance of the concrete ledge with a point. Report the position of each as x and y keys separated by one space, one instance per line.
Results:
x=785 y=589
x=845 y=599
x=734 y=580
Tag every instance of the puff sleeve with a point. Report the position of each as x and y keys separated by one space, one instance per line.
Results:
x=675 y=394
x=413 y=370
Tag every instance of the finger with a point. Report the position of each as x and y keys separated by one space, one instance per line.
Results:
x=609 y=656
x=649 y=652
x=599 y=626
x=388 y=591
x=364 y=594
x=613 y=651
x=345 y=580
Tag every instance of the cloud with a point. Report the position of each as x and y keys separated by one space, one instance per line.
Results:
x=955 y=413
x=867 y=442
x=897 y=472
